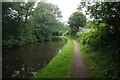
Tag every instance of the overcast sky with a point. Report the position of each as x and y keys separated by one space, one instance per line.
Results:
x=66 y=6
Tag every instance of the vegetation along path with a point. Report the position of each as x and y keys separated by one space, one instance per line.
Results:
x=79 y=68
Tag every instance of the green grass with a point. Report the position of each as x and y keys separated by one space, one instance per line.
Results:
x=60 y=65
x=100 y=62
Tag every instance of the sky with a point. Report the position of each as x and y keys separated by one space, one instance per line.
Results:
x=67 y=7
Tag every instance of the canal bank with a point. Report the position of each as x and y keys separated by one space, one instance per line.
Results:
x=60 y=65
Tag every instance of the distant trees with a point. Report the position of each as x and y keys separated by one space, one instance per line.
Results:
x=76 y=20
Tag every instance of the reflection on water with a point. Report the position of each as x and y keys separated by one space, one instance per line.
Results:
x=23 y=62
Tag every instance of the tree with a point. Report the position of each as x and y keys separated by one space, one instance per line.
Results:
x=22 y=23
x=45 y=20
x=14 y=17
x=14 y=20
x=107 y=12
x=76 y=20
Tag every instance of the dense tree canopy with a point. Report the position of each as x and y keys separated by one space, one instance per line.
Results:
x=46 y=20
x=24 y=23
x=107 y=12
x=14 y=17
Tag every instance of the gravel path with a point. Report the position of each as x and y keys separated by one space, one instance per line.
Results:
x=79 y=67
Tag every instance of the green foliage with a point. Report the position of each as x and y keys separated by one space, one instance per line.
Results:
x=96 y=36
x=101 y=46
x=46 y=21
x=107 y=12
x=14 y=19
x=104 y=35
x=22 y=23
x=89 y=24
x=76 y=20
x=101 y=64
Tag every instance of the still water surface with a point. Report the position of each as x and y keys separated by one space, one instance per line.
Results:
x=23 y=62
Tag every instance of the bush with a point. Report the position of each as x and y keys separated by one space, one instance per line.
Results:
x=100 y=47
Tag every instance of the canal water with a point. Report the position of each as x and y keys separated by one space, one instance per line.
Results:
x=23 y=62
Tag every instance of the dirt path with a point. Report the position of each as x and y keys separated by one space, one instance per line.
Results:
x=80 y=70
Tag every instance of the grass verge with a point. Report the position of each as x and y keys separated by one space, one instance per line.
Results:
x=60 y=65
